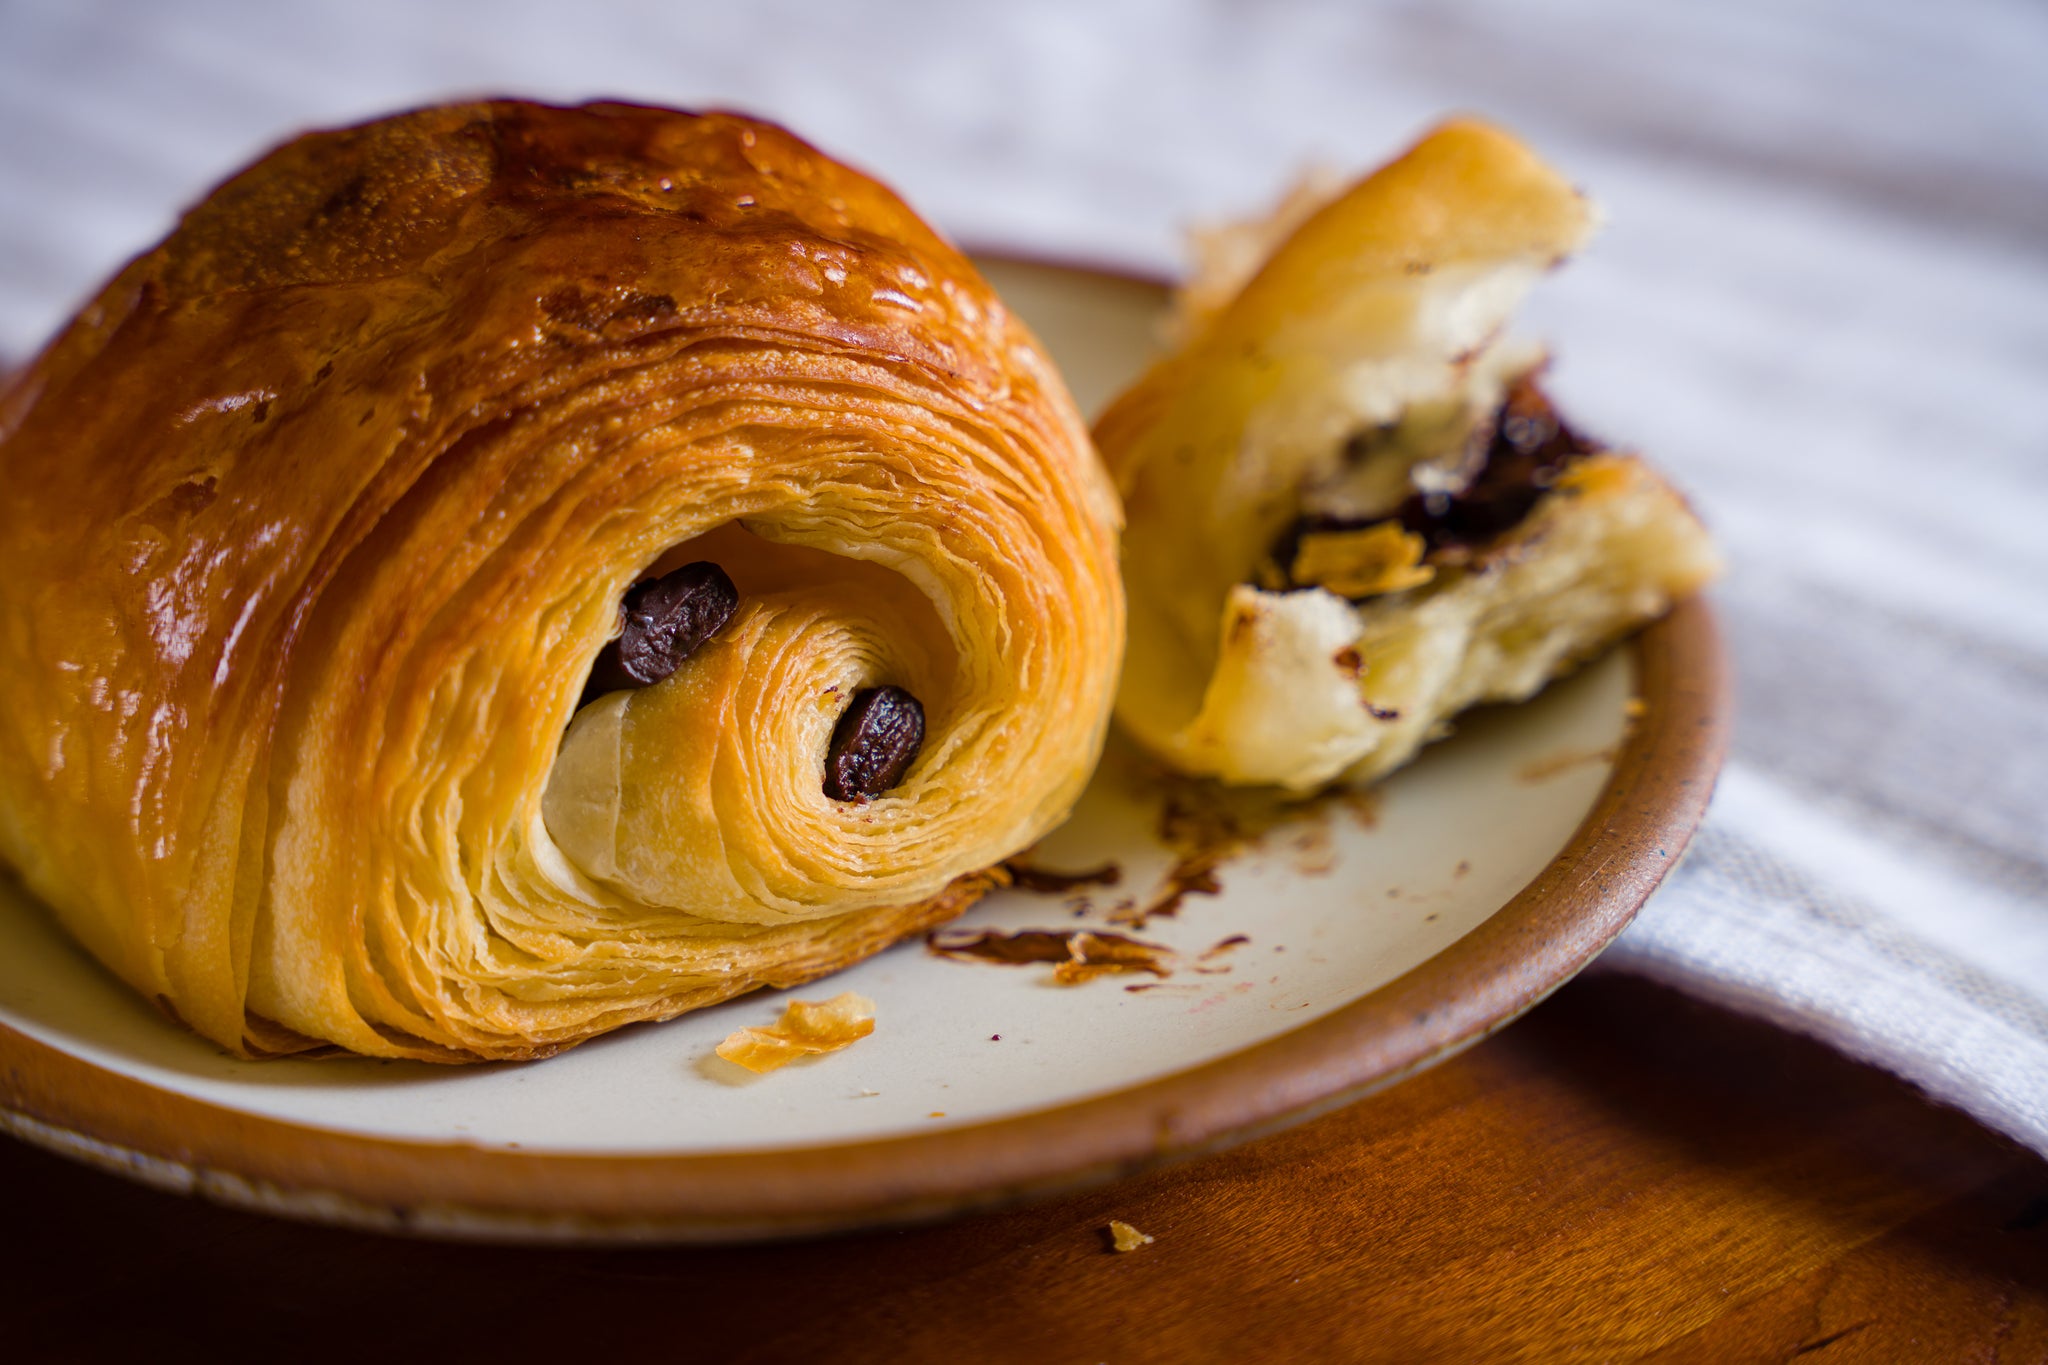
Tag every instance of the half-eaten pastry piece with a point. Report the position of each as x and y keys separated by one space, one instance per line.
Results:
x=1351 y=511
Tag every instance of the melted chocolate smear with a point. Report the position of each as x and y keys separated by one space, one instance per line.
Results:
x=1228 y=945
x=993 y=945
x=664 y=621
x=1193 y=875
x=1041 y=882
x=1078 y=954
x=874 y=743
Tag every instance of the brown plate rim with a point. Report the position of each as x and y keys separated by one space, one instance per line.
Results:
x=1638 y=827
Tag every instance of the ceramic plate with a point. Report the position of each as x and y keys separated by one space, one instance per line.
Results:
x=1299 y=958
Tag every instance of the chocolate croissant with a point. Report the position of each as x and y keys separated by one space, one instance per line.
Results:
x=504 y=572
x=1352 y=510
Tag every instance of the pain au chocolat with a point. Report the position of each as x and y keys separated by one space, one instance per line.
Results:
x=1351 y=510
x=435 y=583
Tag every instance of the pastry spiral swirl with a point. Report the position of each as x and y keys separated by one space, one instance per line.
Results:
x=313 y=523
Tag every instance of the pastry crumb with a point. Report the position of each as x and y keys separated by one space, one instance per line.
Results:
x=1124 y=1237
x=806 y=1027
x=1375 y=560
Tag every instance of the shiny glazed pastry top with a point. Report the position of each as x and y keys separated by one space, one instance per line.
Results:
x=323 y=720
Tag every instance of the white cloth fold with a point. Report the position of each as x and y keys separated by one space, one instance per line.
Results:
x=1822 y=303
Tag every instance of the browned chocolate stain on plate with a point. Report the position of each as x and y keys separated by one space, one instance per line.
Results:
x=1207 y=965
x=1208 y=825
x=1205 y=825
x=1189 y=876
x=1041 y=881
x=1077 y=956
x=1313 y=850
x=1563 y=761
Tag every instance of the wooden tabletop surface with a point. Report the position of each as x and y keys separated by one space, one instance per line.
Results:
x=1625 y=1174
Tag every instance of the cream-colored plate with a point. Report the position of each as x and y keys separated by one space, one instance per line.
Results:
x=981 y=1081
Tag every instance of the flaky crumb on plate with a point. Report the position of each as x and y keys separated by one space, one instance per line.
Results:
x=1124 y=1237
x=806 y=1027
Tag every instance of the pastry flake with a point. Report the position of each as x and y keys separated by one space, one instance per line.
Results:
x=805 y=1029
x=1361 y=561
x=1124 y=1237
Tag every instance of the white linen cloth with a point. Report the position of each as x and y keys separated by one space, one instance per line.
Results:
x=1821 y=303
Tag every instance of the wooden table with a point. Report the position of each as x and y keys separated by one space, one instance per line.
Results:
x=1625 y=1174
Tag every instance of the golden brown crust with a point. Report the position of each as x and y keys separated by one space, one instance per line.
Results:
x=313 y=520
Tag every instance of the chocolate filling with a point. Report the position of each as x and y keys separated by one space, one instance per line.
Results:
x=874 y=743
x=663 y=621
x=1530 y=446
